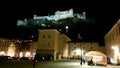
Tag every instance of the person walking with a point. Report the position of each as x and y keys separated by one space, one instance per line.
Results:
x=91 y=62
x=34 y=62
x=81 y=61
x=84 y=61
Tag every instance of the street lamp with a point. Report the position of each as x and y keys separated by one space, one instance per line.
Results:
x=66 y=29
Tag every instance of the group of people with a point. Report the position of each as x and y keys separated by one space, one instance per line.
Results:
x=84 y=61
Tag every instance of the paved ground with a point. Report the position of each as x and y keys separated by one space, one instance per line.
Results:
x=49 y=64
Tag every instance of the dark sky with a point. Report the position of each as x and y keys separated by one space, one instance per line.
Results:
x=106 y=14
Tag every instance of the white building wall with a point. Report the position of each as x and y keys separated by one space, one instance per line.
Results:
x=50 y=41
x=78 y=49
x=112 y=41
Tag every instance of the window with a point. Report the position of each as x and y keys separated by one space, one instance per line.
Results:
x=74 y=43
x=75 y=47
x=83 y=47
x=48 y=44
x=74 y=53
x=91 y=47
x=119 y=27
x=84 y=53
x=43 y=36
x=49 y=36
x=117 y=32
x=112 y=36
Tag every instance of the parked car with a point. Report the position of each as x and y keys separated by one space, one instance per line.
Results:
x=4 y=57
x=24 y=58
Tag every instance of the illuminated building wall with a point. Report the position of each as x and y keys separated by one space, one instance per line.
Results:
x=16 y=48
x=79 y=49
x=11 y=50
x=52 y=42
x=112 y=41
x=7 y=47
x=27 y=49
x=63 y=46
x=33 y=47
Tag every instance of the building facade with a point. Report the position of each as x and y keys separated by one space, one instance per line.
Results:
x=79 y=49
x=7 y=47
x=112 y=42
x=26 y=49
x=52 y=44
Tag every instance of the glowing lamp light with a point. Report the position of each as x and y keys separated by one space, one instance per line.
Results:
x=21 y=54
x=66 y=27
x=11 y=54
x=2 y=53
x=27 y=54
x=11 y=50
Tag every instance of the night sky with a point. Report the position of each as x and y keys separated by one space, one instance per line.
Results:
x=106 y=14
